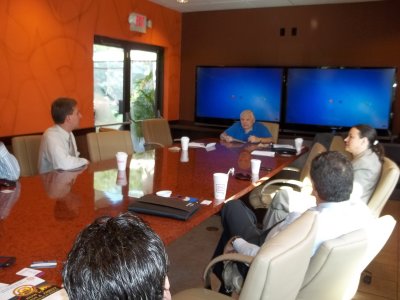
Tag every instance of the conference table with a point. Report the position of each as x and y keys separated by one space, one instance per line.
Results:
x=41 y=218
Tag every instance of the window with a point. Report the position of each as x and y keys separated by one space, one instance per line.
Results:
x=127 y=84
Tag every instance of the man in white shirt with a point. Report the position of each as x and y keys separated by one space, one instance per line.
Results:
x=58 y=149
x=332 y=178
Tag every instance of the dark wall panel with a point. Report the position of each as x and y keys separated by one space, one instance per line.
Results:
x=360 y=34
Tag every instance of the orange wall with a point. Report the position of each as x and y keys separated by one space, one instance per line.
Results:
x=46 y=52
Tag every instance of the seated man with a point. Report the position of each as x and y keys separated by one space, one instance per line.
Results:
x=58 y=147
x=117 y=258
x=9 y=167
x=332 y=179
x=247 y=130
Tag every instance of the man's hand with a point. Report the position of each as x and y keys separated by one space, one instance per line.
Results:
x=229 y=246
x=254 y=139
x=226 y=138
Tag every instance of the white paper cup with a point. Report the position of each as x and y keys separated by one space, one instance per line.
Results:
x=184 y=143
x=255 y=166
x=220 y=185
x=121 y=178
x=121 y=160
x=298 y=143
x=184 y=156
x=165 y=193
x=254 y=178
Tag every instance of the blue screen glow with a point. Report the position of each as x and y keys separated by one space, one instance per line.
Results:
x=339 y=97
x=223 y=92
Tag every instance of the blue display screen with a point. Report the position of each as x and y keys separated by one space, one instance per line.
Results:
x=337 y=97
x=224 y=92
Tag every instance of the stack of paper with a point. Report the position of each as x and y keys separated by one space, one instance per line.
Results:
x=263 y=153
x=201 y=145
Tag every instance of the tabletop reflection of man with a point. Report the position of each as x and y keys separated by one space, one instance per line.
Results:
x=58 y=186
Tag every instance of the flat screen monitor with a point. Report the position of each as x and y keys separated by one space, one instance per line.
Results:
x=339 y=97
x=222 y=93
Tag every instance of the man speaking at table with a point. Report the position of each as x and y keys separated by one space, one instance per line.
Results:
x=58 y=149
x=247 y=130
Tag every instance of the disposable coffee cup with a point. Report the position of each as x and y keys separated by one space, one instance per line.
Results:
x=298 y=143
x=220 y=185
x=121 y=178
x=254 y=178
x=185 y=142
x=255 y=166
x=121 y=160
x=184 y=156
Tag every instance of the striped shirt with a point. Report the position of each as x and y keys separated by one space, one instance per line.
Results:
x=9 y=167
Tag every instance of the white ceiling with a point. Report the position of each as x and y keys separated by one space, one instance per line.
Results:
x=207 y=5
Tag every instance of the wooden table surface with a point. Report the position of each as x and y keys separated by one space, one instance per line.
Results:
x=41 y=218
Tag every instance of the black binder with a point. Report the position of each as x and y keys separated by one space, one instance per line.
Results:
x=170 y=207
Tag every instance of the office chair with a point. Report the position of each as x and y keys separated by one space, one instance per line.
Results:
x=156 y=133
x=385 y=186
x=276 y=272
x=273 y=129
x=104 y=145
x=335 y=269
x=338 y=144
x=26 y=150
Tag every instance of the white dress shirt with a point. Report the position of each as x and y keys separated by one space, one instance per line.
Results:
x=58 y=151
x=334 y=220
x=9 y=167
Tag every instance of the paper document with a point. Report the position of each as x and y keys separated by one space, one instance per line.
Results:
x=283 y=146
x=263 y=153
x=238 y=141
x=201 y=145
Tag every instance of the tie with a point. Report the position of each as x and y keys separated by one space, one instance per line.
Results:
x=71 y=146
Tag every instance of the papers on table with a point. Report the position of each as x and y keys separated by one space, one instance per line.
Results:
x=263 y=153
x=208 y=147
x=283 y=146
x=34 y=288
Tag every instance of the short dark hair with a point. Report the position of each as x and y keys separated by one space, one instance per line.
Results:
x=332 y=175
x=116 y=258
x=61 y=108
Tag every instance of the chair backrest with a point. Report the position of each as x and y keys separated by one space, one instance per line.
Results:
x=338 y=144
x=104 y=145
x=278 y=269
x=385 y=186
x=333 y=267
x=156 y=131
x=273 y=129
x=105 y=129
x=316 y=149
x=378 y=233
x=26 y=150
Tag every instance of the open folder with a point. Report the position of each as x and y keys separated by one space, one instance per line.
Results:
x=170 y=207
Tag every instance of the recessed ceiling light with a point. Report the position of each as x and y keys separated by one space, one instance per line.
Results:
x=182 y=1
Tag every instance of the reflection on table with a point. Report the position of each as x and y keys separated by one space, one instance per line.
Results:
x=42 y=221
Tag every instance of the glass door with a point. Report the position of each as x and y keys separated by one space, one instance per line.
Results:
x=143 y=90
x=108 y=71
x=127 y=85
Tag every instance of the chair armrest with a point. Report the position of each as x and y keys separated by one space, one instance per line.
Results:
x=296 y=183
x=293 y=169
x=153 y=145
x=224 y=257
